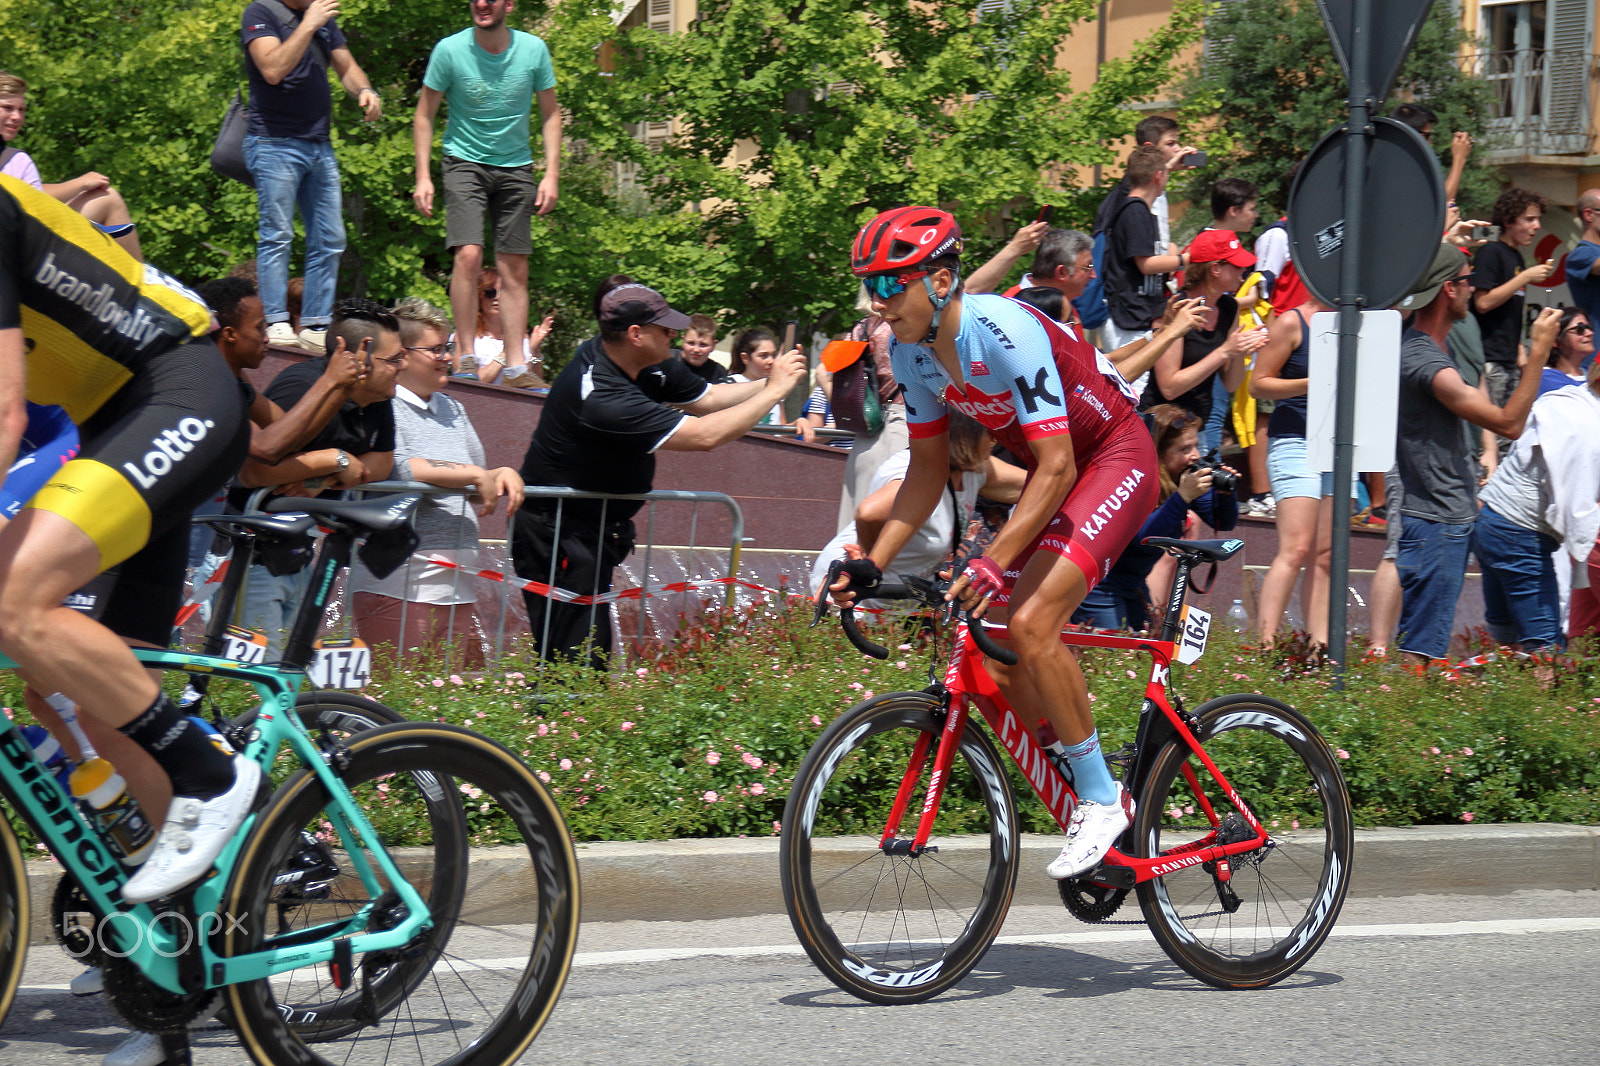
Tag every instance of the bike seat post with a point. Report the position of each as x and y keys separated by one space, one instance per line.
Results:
x=240 y=559
x=332 y=557
x=1180 y=589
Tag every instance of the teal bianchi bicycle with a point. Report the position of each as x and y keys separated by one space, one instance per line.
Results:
x=408 y=893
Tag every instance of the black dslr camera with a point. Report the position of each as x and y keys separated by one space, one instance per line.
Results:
x=1221 y=480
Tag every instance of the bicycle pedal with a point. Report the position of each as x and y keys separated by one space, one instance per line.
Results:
x=1123 y=756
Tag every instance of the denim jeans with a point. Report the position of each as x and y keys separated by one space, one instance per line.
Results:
x=271 y=602
x=290 y=171
x=1521 y=600
x=1217 y=421
x=1432 y=561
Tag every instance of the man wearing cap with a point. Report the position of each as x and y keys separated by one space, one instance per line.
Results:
x=601 y=427
x=1440 y=505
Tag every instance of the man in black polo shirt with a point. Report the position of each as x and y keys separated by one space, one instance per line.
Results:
x=600 y=430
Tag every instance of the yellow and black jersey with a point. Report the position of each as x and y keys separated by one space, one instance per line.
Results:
x=91 y=314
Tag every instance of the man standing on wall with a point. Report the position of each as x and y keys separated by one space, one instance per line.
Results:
x=490 y=74
x=289 y=46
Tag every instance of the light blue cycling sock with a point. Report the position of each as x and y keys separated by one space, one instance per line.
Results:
x=1091 y=777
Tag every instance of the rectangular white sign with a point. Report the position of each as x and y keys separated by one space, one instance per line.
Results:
x=1377 y=399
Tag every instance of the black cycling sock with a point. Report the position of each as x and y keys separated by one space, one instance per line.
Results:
x=183 y=750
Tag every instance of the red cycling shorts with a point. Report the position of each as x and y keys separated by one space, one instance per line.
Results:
x=1116 y=491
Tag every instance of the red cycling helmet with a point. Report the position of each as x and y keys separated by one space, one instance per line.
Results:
x=902 y=238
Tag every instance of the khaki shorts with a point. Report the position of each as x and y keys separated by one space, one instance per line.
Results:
x=506 y=195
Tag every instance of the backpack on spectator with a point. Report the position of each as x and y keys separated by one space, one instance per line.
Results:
x=856 y=406
x=1091 y=306
x=1289 y=290
x=227 y=152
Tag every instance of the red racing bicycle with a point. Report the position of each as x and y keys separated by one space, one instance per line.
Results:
x=1240 y=848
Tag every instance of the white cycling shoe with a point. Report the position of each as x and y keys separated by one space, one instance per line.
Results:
x=140 y=1049
x=193 y=835
x=1090 y=834
x=90 y=982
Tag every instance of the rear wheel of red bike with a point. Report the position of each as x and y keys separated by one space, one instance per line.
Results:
x=882 y=924
x=1279 y=904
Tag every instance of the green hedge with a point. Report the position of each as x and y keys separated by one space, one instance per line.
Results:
x=702 y=739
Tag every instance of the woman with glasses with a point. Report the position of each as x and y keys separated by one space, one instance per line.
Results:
x=1061 y=407
x=430 y=605
x=488 y=360
x=1573 y=353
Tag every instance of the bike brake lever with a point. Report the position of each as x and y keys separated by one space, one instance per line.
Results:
x=834 y=569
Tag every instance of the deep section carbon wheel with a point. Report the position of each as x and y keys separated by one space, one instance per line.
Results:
x=880 y=922
x=502 y=889
x=1263 y=917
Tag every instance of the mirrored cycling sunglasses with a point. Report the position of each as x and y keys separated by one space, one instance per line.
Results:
x=884 y=286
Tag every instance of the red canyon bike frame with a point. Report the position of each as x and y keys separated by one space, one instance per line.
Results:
x=968 y=683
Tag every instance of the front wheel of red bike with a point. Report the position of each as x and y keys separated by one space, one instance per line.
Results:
x=1263 y=918
x=883 y=924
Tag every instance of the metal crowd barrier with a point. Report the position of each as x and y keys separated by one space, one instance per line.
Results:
x=466 y=620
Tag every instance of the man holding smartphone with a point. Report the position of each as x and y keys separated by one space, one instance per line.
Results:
x=1498 y=278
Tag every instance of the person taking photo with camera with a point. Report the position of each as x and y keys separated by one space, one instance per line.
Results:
x=1188 y=483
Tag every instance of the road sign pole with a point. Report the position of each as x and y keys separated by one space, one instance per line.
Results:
x=1357 y=130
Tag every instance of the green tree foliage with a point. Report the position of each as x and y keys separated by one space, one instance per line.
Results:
x=1268 y=87
x=833 y=110
x=748 y=209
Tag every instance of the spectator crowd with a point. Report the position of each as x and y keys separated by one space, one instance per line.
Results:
x=1211 y=335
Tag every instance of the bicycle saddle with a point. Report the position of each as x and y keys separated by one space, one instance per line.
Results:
x=1203 y=550
x=285 y=525
x=377 y=515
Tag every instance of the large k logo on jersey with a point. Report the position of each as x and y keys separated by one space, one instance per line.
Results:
x=992 y=412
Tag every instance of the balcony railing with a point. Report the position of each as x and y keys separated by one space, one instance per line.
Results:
x=1541 y=99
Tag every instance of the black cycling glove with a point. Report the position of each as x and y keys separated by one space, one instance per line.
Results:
x=864 y=575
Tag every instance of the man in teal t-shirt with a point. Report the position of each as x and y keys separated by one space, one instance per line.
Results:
x=490 y=74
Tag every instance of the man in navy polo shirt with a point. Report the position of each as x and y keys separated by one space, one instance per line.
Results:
x=289 y=46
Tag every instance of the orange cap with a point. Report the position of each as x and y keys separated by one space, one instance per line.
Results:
x=840 y=354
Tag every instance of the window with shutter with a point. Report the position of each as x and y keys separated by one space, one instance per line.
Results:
x=1215 y=43
x=661 y=16
x=1568 y=63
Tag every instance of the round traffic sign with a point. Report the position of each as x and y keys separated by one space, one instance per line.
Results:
x=1402 y=215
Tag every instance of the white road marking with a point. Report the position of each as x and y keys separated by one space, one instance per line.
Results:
x=1121 y=934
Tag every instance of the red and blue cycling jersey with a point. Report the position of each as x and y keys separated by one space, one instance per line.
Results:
x=1027 y=378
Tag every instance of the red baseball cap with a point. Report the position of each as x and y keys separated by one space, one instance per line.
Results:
x=1220 y=246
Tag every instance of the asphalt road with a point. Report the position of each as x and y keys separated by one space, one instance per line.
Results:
x=1508 y=979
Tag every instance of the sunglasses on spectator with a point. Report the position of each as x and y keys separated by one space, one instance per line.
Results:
x=1582 y=327
x=884 y=286
x=488 y=294
x=438 y=351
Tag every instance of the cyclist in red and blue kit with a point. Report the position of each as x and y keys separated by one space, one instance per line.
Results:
x=1054 y=401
